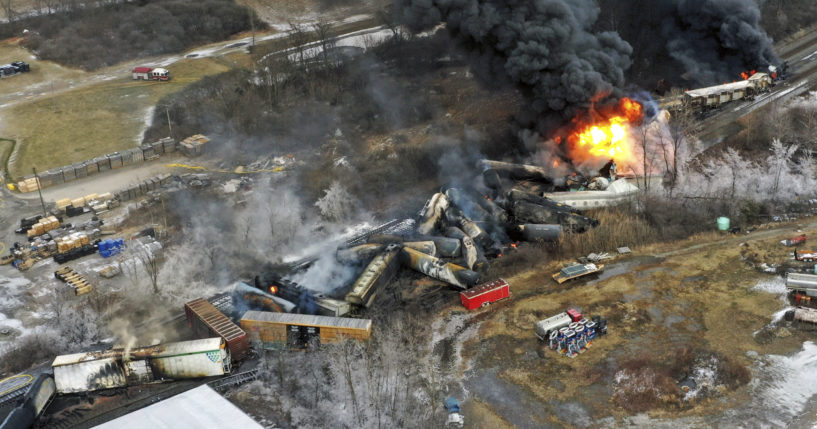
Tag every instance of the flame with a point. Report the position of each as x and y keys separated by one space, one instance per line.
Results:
x=514 y=245
x=607 y=136
x=747 y=74
x=273 y=289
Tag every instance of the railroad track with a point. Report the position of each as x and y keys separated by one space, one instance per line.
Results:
x=234 y=380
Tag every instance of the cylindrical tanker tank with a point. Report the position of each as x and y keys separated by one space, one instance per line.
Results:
x=469 y=252
x=359 y=254
x=526 y=212
x=497 y=213
x=384 y=239
x=376 y=275
x=431 y=213
x=515 y=171
x=804 y=282
x=438 y=269
x=520 y=195
x=247 y=297
x=537 y=232
x=455 y=216
x=467 y=204
x=446 y=246
x=454 y=232
x=426 y=247
x=533 y=213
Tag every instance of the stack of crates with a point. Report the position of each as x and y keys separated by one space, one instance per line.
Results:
x=74 y=279
x=43 y=225
x=63 y=204
x=27 y=185
x=111 y=247
x=72 y=241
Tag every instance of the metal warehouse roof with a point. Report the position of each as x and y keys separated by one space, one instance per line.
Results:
x=199 y=408
x=715 y=90
x=306 y=319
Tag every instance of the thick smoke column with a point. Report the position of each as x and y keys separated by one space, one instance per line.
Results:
x=544 y=47
x=690 y=42
x=715 y=39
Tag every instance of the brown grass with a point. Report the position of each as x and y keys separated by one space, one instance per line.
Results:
x=616 y=228
x=91 y=120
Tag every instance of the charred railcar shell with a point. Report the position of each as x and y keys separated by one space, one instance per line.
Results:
x=376 y=275
x=119 y=367
x=431 y=213
x=439 y=269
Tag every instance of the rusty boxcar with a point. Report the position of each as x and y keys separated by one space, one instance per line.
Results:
x=286 y=330
x=206 y=321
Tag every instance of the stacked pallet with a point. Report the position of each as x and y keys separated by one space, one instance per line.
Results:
x=43 y=225
x=72 y=241
x=27 y=185
x=194 y=145
x=74 y=279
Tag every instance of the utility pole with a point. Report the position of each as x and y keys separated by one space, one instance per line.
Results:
x=39 y=190
x=169 y=127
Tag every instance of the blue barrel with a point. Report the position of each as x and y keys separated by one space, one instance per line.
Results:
x=723 y=223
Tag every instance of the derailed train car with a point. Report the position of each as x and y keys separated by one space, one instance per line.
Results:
x=207 y=321
x=715 y=96
x=377 y=274
x=32 y=404
x=119 y=367
x=297 y=331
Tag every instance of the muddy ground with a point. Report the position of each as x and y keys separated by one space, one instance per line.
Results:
x=702 y=311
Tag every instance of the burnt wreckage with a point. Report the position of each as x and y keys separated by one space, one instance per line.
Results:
x=451 y=240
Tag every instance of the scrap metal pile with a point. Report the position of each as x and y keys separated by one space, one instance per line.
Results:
x=458 y=230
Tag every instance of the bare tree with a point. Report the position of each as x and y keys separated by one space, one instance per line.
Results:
x=8 y=9
x=336 y=204
x=299 y=39
x=327 y=40
x=681 y=129
x=150 y=263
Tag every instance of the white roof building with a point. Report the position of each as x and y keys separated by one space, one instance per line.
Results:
x=199 y=408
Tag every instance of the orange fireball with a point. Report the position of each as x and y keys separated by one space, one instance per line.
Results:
x=607 y=135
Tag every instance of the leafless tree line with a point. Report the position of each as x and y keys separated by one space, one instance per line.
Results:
x=390 y=381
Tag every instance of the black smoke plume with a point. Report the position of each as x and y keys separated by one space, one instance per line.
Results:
x=546 y=48
x=690 y=42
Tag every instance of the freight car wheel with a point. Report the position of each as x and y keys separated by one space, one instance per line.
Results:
x=485 y=304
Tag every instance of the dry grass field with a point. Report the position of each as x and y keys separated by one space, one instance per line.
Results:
x=701 y=299
x=95 y=119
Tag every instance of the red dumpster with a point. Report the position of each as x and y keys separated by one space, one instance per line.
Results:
x=484 y=294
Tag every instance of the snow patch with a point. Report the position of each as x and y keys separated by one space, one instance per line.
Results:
x=704 y=374
x=789 y=381
x=776 y=285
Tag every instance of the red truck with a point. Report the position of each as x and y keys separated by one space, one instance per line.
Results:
x=207 y=322
x=150 y=73
x=794 y=241
x=484 y=294
x=806 y=255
